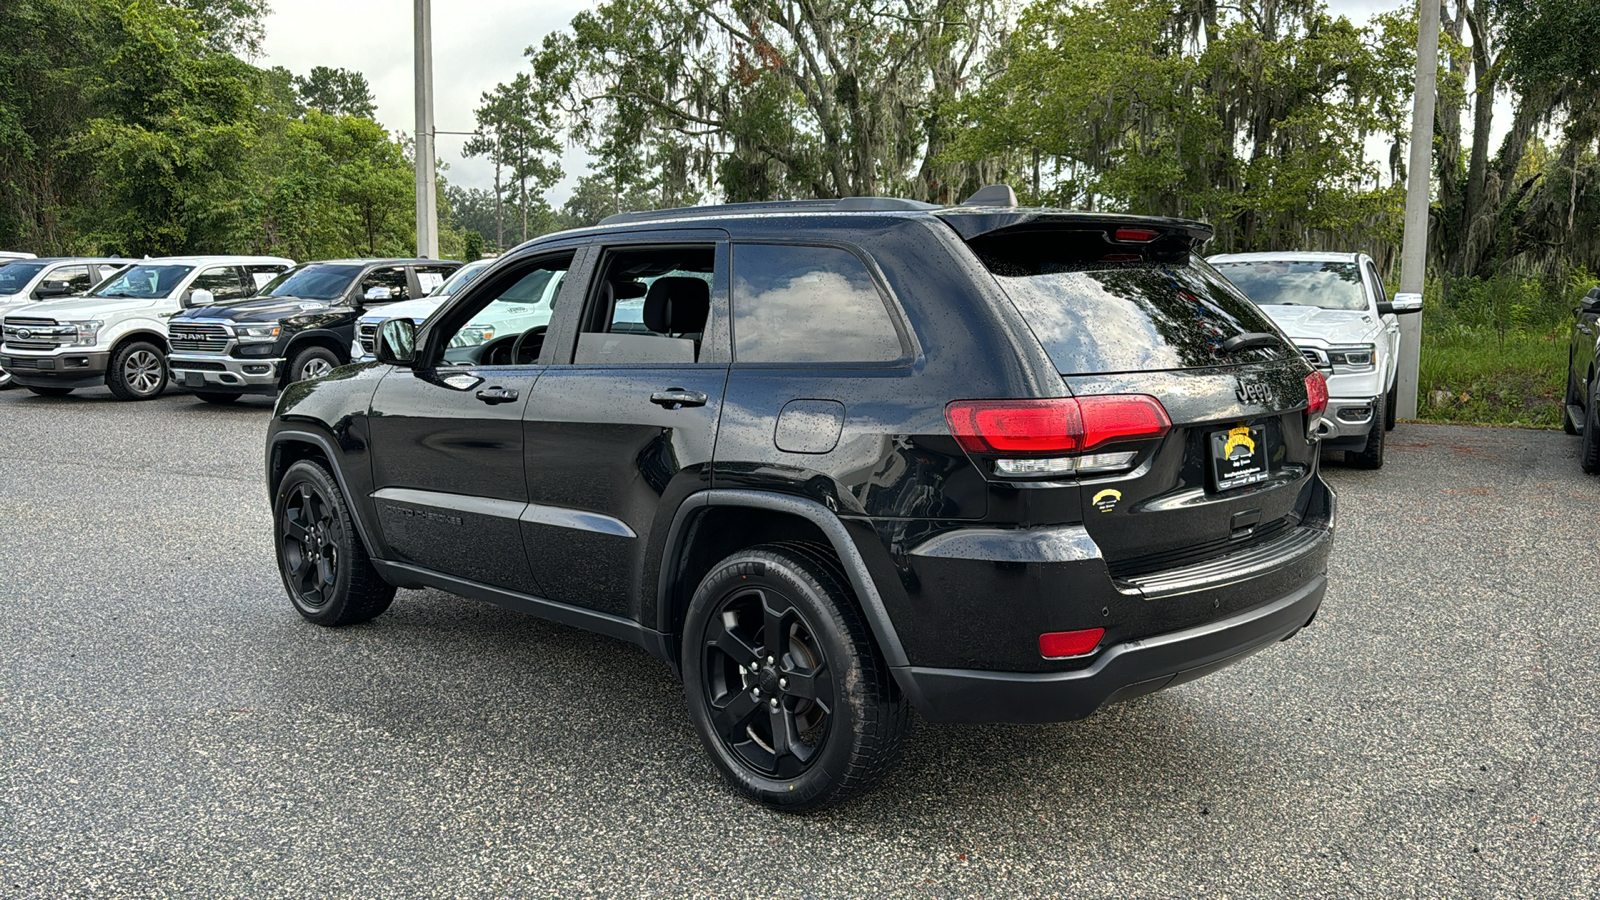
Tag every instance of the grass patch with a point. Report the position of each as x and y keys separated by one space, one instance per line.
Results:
x=1494 y=351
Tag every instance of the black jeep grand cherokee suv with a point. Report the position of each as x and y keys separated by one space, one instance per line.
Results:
x=833 y=461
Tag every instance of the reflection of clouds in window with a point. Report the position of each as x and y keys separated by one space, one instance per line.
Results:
x=1118 y=336
x=1320 y=284
x=813 y=315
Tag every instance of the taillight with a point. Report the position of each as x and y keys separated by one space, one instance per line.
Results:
x=1316 y=395
x=1056 y=437
x=1140 y=235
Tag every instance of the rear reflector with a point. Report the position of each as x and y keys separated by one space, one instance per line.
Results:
x=1140 y=235
x=1063 y=644
x=1316 y=394
x=1068 y=425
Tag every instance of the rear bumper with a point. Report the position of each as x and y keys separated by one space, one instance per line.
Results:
x=225 y=374
x=1121 y=672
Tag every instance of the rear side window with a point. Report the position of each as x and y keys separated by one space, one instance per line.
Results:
x=794 y=304
x=1095 y=316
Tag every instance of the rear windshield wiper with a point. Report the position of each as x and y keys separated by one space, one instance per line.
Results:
x=1248 y=340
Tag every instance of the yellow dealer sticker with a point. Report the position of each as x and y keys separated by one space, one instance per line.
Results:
x=1107 y=500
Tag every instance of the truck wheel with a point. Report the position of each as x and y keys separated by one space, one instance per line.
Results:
x=219 y=399
x=785 y=686
x=325 y=568
x=1589 y=451
x=49 y=391
x=6 y=381
x=138 y=371
x=312 y=362
x=1372 y=457
x=1391 y=403
x=1574 y=398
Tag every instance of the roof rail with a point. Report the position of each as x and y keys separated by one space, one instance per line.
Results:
x=846 y=204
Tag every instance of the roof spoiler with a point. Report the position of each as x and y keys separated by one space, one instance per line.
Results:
x=1155 y=232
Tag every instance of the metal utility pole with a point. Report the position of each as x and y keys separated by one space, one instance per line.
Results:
x=427 y=202
x=1414 y=250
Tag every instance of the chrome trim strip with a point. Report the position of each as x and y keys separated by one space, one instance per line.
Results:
x=478 y=506
x=576 y=519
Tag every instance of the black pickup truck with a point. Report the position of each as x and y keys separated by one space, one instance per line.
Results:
x=298 y=326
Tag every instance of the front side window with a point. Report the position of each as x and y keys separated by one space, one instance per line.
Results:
x=315 y=282
x=506 y=322
x=1328 y=285
x=261 y=274
x=224 y=282
x=794 y=304
x=68 y=280
x=462 y=277
x=386 y=285
x=648 y=305
x=430 y=278
x=143 y=283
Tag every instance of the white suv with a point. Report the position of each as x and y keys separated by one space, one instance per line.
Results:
x=116 y=335
x=1333 y=306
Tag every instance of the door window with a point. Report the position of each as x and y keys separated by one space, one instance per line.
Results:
x=648 y=305
x=386 y=285
x=68 y=280
x=224 y=283
x=261 y=273
x=429 y=278
x=505 y=321
x=794 y=304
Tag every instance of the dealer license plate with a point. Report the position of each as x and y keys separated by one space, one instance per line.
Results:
x=1238 y=456
x=194 y=380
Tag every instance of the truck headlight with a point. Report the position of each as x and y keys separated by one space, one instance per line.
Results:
x=1354 y=358
x=255 y=334
x=87 y=332
x=472 y=336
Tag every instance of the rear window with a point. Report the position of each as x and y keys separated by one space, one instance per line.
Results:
x=1095 y=316
x=805 y=304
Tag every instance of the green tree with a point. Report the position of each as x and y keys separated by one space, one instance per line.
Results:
x=339 y=92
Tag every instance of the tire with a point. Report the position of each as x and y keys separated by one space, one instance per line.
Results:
x=325 y=568
x=219 y=399
x=312 y=362
x=1372 y=457
x=1589 y=451
x=840 y=713
x=7 y=380
x=138 y=371
x=1391 y=404
x=1573 y=398
x=49 y=391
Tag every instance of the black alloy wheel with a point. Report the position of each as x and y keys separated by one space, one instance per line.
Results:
x=324 y=565
x=138 y=371
x=784 y=683
x=1589 y=450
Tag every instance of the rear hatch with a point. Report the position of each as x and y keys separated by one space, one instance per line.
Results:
x=1125 y=310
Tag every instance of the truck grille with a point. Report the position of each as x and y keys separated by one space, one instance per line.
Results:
x=22 y=362
x=188 y=337
x=368 y=332
x=23 y=333
x=1314 y=356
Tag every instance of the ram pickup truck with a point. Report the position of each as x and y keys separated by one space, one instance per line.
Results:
x=1333 y=306
x=116 y=335
x=299 y=327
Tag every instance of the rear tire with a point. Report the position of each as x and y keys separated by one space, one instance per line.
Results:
x=824 y=718
x=1372 y=457
x=138 y=371
x=312 y=362
x=50 y=391
x=330 y=579
x=217 y=398
x=1589 y=450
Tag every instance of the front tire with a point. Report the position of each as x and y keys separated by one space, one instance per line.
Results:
x=785 y=686
x=1589 y=450
x=330 y=579
x=138 y=371
x=1372 y=456
x=1391 y=404
x=50 y=391
x=7 y=380
x=1574 y=398
x=220 y=399
x=312 y=362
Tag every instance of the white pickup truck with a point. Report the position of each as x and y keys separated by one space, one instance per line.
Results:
x=1333 y=306
x=116 y=335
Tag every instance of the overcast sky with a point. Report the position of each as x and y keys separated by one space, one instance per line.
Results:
x=476 y=44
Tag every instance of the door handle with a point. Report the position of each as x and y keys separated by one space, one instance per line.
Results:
x=495 y=395
x=677 y=398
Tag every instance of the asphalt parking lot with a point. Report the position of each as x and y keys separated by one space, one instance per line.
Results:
x=169 y=726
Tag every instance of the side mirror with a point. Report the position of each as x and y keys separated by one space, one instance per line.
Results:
x=201 y=297
x=379 y=294
x=1589 y=304
x=396 y=343
x=1402 y=304
x=52 y=289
